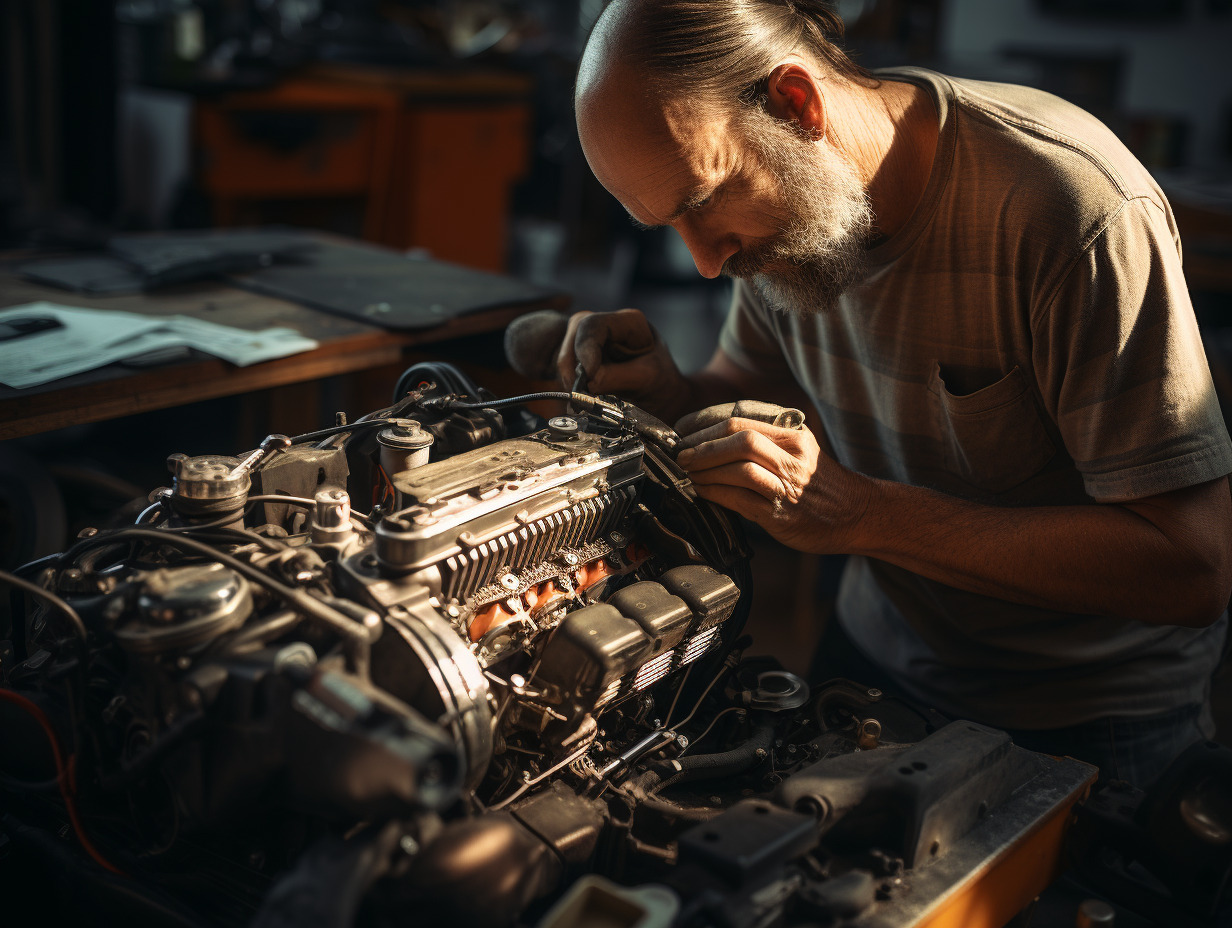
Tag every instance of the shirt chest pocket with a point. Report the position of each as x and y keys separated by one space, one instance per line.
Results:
x=993 y=438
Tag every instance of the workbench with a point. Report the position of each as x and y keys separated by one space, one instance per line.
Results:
x=346 y=346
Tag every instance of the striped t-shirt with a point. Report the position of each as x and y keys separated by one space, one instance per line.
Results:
x=1026 y=339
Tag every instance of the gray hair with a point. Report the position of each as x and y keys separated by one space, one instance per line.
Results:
x=726 y=49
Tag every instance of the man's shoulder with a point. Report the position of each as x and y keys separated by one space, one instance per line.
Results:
x=1029 y=170
x=1049 y=151
x=1065 y=135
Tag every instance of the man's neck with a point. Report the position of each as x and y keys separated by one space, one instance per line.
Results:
x=890 y=133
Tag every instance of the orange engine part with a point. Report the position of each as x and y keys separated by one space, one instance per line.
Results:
x=584 y=576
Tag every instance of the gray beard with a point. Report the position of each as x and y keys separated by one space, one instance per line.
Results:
x=814 y=287
x=826 y=221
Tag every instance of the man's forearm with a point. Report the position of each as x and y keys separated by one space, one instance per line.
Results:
x=1096 y=559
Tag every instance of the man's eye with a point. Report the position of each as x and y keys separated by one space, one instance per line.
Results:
x=702 y=202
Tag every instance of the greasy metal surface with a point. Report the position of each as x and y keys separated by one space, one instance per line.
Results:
x=490 y=492
x=937 y=887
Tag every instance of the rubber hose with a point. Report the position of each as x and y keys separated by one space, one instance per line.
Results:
x=725 y=764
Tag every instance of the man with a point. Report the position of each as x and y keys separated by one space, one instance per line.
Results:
x=980 y=291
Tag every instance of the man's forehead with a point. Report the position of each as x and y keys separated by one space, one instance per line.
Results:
x=650 y=154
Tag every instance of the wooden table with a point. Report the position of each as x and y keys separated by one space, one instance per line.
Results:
x=106 y=393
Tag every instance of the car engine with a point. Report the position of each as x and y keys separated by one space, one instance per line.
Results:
x=519 y=663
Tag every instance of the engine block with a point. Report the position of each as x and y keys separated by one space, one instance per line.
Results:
x=279 y=709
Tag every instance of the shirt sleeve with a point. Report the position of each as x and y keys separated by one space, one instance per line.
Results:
x=749 y=337
x=1121 y=368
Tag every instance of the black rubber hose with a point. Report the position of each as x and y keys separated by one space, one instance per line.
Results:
x=725 y=764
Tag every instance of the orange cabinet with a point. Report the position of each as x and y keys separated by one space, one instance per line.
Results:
x=431 y=157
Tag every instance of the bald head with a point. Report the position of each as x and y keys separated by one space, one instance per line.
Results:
x=720 y=50
x=603 y=52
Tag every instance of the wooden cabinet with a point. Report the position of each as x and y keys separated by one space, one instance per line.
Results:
x=429 y=158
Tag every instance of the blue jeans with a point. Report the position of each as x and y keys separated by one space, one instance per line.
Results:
x=1134 y=749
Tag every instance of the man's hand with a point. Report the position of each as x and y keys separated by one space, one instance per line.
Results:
x=620 y=353
x=1164 y=560
x=778 y=478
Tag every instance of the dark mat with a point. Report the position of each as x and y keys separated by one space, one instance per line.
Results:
x=133 y=263
x=94 y=275
x=387 y=289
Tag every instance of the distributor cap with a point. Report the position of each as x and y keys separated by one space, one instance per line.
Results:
x=208 y=477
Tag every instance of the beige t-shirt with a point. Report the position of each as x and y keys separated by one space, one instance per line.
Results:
x=1026 y=339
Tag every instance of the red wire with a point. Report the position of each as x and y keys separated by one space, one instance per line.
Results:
x=65 y=776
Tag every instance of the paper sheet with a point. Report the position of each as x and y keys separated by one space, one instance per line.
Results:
x=90 y=338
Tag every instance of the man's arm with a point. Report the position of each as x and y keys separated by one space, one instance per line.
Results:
x=622 y=354
x=1166 y=559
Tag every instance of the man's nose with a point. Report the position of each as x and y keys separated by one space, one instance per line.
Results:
x=709 y=250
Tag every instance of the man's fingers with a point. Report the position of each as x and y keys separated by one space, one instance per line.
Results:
x=592 y=335
x=596 y=340
x=743 y=445
x=627 y=377
x=745 y=475
x=566 y=357
x=732 y=427
x=630 y=333
x=751 y=505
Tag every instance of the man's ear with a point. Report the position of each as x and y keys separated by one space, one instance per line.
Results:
x=794 y=95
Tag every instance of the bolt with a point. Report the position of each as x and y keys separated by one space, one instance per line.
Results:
x=682 y=741
x=874 y=693
x=509 y=582
x=87 y=533
x=570 y=558
x=617 y=539
x=869 y=734
x=410 y=847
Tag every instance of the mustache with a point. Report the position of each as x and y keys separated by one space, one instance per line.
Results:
x=753 y=259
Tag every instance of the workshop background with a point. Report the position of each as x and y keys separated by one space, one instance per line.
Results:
x=445 y=127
